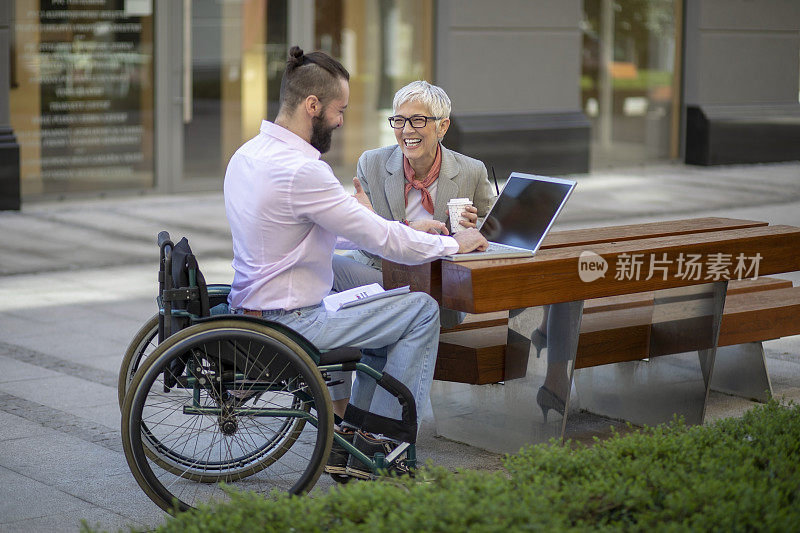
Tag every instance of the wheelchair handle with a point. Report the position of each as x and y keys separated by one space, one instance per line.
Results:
x=162 y=238
x=164 y=283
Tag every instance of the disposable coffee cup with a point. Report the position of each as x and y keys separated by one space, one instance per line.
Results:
x=456 y=207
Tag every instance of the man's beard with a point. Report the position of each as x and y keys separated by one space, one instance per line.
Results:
x=321 y=134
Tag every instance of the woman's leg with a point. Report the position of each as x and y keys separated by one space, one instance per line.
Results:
x=559 y=338
x=349 y=273
x=545 y=316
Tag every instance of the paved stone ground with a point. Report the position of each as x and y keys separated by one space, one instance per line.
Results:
x=77 y=279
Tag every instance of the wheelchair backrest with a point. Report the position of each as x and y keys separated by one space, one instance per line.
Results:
x=183 y=294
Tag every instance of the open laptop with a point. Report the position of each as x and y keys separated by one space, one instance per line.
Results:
x=521 y=217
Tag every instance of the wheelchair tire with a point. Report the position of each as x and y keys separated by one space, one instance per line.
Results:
x=233 y=410
x=142 y=345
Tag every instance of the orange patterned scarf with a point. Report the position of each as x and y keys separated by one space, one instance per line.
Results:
x=422 y=185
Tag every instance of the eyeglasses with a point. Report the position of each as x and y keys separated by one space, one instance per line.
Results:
x=398 y=122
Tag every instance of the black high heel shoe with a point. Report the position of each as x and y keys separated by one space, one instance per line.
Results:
x=547 y=400
x=539 y=340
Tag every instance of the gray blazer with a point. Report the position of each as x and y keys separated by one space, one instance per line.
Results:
x=381 y=174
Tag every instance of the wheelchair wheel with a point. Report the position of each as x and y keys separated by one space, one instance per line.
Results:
x=142 y=345
x=226 y=401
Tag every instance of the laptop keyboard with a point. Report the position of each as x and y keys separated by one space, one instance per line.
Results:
x=497 y=247
x=493 y=248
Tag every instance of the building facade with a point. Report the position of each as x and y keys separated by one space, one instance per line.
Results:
x=102 y=96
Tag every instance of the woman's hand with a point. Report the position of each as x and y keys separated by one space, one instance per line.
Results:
x=430 y=226
x=361 y=196
x=471 y=214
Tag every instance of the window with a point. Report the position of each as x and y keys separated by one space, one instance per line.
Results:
x=82 y=94
x=628 y=79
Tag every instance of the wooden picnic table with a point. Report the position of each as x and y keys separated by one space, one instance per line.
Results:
x=687 y=263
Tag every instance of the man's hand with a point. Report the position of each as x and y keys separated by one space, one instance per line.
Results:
x=470 y=240
x=361 y=196
x=471 y=214
x=430 y=226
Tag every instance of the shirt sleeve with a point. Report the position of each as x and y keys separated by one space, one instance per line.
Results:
x=317 y=195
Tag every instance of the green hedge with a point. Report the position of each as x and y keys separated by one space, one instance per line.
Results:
x=736 y=475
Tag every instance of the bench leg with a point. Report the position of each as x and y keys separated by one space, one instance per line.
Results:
x=741 y=370
x=505 y=416
x=674 y=380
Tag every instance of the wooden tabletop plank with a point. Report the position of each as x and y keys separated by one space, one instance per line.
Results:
x=428 y=277
x=586 y=237
x=552 y=275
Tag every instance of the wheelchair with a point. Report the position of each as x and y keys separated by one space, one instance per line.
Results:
x=212 y=401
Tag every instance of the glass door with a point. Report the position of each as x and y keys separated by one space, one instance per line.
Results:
x=630 y=79
x=228 y=58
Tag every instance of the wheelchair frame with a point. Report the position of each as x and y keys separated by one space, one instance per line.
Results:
x=178 y=325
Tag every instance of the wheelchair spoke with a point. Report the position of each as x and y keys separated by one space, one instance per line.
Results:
x=239 y=407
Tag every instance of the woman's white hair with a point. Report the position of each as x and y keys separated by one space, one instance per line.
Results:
x=433 y=97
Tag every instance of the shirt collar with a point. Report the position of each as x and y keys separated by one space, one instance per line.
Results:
x=290 y=138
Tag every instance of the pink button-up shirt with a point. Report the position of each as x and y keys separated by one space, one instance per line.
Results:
x=286 y=209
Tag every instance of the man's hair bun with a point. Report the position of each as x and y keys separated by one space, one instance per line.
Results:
x=296 y=58
x=317 y=76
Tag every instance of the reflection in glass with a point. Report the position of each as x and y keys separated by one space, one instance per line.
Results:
x=628 y=78
x=235 y=57
x=82 y=95
x=82 y=91
x=385 y=44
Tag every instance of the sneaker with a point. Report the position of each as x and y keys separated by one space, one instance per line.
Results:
x=337 y=460
x=369 y=445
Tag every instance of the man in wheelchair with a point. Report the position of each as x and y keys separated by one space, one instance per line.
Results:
x=288 y=212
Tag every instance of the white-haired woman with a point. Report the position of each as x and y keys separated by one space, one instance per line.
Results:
x=413 y=180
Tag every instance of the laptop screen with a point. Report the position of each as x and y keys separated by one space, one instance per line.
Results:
x=525 y=210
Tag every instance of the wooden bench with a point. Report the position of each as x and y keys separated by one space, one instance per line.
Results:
x=617 y=329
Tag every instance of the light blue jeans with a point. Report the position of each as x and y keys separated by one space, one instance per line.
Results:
x=398 y=335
